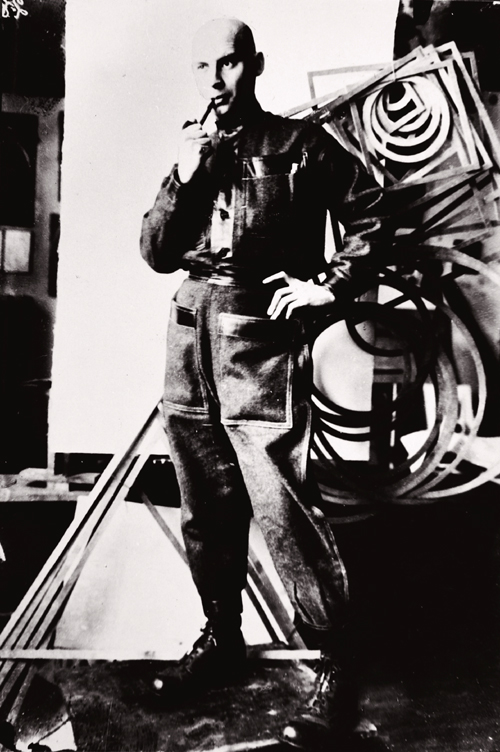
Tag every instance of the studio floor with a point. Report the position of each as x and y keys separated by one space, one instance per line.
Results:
x=110 y=710
x=425 y=590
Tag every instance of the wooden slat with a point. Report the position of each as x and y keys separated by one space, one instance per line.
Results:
x=28 y=627
x=27 y=494
x=259 y=587
x=260 y=653
x=265 y=587
x=25 y=636
x=108 y=484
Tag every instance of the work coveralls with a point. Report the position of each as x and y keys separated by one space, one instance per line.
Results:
x=237 y=387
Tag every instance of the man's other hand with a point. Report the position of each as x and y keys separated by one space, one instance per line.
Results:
x=194 y=147
x=295 y=293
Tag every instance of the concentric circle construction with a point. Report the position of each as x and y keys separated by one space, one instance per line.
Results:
x=430 y=470
x=420 y=128
x=407 y=121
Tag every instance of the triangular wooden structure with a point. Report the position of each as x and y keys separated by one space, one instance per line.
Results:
x=28 y=633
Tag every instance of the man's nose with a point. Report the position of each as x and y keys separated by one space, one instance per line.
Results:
x=215 y=78
x=218 y=84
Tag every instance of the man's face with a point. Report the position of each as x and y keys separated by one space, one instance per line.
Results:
x=223 y=71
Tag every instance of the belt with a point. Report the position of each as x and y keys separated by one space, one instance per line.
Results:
x=227 y=280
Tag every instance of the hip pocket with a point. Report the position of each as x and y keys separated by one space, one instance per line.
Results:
x=183 y=380
x=256 y=371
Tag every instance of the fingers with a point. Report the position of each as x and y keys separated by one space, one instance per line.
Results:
x=195 y=146
x=278 y=301
x=194 y=130
x=296 y=294
x=279 y=275
x=197 y=136
x=284 y=301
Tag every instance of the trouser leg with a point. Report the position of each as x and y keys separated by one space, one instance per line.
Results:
x=238 y=420
x=215 y=510
x=263 y=380
x=240 y=432
x=298 y=536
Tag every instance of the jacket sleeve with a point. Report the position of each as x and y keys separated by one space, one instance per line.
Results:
x=355 y=199
x=169 y=228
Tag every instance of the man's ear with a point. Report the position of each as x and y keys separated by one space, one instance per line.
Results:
x=260 y=63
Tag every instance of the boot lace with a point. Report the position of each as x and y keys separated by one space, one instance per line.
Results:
x=204 y=641
x=325 y=688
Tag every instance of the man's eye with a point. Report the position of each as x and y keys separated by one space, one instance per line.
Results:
x=201 y=66
x=229 y=62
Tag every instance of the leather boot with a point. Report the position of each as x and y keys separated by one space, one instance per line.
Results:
x=217 y=658
x=330 y=714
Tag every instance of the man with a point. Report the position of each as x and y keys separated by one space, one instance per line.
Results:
x=244 y=210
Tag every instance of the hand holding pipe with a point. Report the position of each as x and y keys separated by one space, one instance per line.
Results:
x=203 y=117
x=195 y=147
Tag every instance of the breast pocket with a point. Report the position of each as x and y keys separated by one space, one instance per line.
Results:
x=268 y=189
x=256 y=371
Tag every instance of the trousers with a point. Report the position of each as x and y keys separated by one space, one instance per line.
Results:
x=238 y=419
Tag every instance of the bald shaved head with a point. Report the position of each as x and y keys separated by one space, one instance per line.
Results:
x=227 y=29
x=226 y=65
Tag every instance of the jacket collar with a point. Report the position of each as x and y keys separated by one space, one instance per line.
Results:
x=250 y=117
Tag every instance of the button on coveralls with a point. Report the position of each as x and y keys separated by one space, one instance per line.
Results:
x=237 y=387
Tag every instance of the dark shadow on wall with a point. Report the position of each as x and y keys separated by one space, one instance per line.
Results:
x=473 y=25
x=32 y=53
x=25 y=336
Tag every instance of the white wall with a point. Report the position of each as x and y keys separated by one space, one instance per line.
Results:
x=129 y=89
